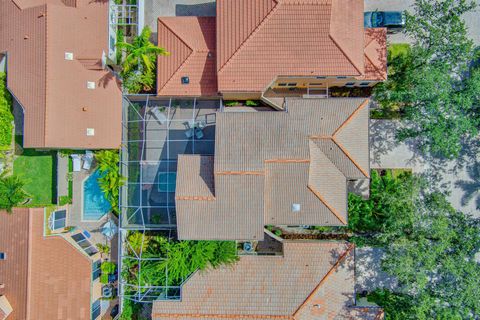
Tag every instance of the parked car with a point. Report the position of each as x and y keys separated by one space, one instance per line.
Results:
x=394 y=21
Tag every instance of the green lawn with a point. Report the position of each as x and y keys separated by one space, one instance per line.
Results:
x=37 y=170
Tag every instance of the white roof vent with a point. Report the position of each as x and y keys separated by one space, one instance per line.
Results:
x=68 y=55
x=90 y=132
x=90 y=85
x=296 y=207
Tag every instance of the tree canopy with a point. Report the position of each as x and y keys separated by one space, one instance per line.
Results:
x=433 y=83
x=429 y=248
x=11 y=192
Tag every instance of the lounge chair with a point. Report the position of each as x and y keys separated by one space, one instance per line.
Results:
x=87 y=160
x=77 y=162
x=159 y=115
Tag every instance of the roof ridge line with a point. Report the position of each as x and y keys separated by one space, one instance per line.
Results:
x=334 y=267
x=328 y=138
x=176 y=70
x=350 y=117
x=250 y=35
x=373 y=64
x=183 y=62
x=344 y=54
x=322 y=199
x=366 y=174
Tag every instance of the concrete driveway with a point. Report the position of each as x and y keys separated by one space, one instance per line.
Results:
x=459 y=177
x=472 y=19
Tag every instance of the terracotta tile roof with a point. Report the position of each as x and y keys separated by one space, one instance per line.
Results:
x=375 y=54
x=14 y=231
x=313 y=280
x=45 y=278
x=58 y=107
x=257 y=40
x=191 y=43
x=267 y=161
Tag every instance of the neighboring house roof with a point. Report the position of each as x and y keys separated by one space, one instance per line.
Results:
x=267 y=161
x=44 y=277
x=312 y=280
x=258 y=40
x=191 y=43
x=58 y=106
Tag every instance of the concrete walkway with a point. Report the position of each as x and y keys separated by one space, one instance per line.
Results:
x=62 y=175
x=459 y=177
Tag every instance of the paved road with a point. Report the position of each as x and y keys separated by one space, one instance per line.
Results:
x=460 y=177
x=472 y=19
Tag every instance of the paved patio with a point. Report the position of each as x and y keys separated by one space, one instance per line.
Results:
x=459 y=177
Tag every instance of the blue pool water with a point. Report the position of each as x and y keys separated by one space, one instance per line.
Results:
x=167 y=181
x=95 y=205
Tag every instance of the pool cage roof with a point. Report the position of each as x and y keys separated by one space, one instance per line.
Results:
x=155 y=131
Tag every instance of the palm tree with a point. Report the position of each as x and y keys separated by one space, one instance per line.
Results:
x=11 y=192
x=141 y=53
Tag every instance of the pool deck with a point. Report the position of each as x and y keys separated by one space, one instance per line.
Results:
x=76 y=209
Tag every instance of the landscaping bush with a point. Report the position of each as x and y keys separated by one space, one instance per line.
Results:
x=64 y=200
x=108 y=267
x=6 y=116
x=110 y=180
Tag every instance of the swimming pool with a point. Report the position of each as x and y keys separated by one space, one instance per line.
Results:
x=95 y=205
x=167 y=181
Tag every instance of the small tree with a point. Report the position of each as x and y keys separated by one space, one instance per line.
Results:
x=11 y=192
x=139 y=62
x=111 y=180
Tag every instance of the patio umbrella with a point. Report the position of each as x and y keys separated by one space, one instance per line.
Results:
x=109 y=229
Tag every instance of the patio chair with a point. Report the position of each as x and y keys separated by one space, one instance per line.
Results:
x=159 y=115
x=189 y=133
x=198 y=133
x=77 y=162
x=87 y=160
x=201 y=124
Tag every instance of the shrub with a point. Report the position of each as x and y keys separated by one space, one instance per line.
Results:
x=64 y=200
x=231 y=103
x=108 y=267
x=6 y=116
x=104 y=278
x=251 y=103
x=111 y=180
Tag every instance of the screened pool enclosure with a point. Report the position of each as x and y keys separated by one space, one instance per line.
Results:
x=155 y=132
